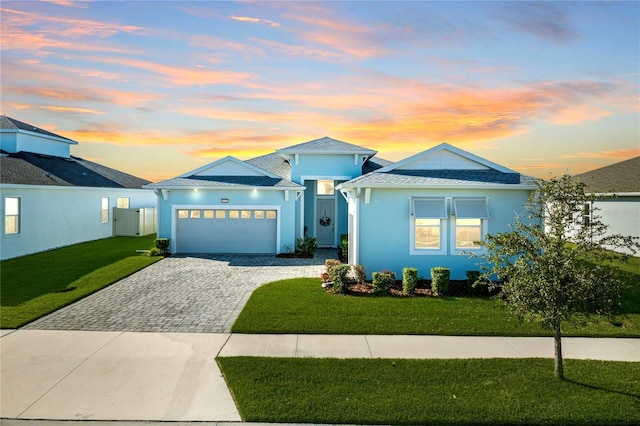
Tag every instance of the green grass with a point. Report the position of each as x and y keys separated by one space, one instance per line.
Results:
x=301 y=306
x=472 y=391
x=35 y=285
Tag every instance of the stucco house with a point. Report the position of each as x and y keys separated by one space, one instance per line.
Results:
x=52 y=199
x=423 y=211
x=620 y=213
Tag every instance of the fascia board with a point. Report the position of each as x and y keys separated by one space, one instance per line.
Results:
x=40 y=135
x=436 y=186
x=229 y=188
x=224 y=160
x=71 y=187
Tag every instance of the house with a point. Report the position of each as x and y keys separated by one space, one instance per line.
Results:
x=423 y=211
x=620 y=213
x=52 y=199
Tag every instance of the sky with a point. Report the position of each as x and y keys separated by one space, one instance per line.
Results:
x=159 y=88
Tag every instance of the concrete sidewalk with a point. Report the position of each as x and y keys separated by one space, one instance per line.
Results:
x=134 y=376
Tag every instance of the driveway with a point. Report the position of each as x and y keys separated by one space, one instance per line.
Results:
x=185 y=294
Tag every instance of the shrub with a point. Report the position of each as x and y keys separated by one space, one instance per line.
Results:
x=344 y=246
x=306 y=246
x=440 y=278
x=155 y=252
x=360 y=274
x=409 y=280
x=329 y=263
x=472 y=278
x=382 y=281
x=162 y=244
x=338 y=274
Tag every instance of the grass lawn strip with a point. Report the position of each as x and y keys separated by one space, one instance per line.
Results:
x=302 y=306
x=35 y=285
x=470 y=391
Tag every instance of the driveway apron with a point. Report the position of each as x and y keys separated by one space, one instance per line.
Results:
x=184 y=294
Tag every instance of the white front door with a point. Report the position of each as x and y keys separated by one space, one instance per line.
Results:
x=325 y=222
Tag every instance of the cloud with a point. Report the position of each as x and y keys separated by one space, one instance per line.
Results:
x=255 y=20
x=540 y=19
x=71 y=109
x=181 y=76
x=614 y=154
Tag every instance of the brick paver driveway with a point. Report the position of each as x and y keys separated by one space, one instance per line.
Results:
x=188 y=294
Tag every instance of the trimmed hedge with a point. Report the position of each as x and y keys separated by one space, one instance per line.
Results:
x=440 y=279
x=409 y=280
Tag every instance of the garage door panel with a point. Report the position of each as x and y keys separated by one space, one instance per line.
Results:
x=235 y=231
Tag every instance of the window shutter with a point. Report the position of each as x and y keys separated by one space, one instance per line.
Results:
x=470 y=208
x=429 y=208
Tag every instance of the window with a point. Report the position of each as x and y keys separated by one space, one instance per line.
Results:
x=195 y=214
x=105 y=209
x=325 y=187
x=122 y=202
x=11 y=215
x=221 y=214
x=468 y=231
x=271 y=214
x=234 y=214
x=428 y=221
x=586 y=215
x=245 y=214
x=183 y=214
x=427 y=234
x=469 y=213
x=258 y=214
x=208 y=214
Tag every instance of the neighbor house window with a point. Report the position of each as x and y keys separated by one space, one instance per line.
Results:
x=105 y=209
x=11 y=215
x=122 y=202
x=428 y=225
x=470 y=217
x=326 y=187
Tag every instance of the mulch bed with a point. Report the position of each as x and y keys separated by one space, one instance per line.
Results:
x=367 y=289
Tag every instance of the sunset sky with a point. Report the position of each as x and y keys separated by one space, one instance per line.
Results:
x=159 y=88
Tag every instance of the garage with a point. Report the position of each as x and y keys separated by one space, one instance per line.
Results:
x=235 y=230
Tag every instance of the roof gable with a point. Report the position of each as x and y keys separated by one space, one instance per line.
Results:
x=326 y=145
x=228 y=166
x=445 y=157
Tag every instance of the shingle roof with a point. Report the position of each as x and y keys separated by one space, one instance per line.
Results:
x=440 y=177
x=619 y=177
x=273 y=163
x=237 y=182
x=8 y=123
x=26 y=168
x=327 y=145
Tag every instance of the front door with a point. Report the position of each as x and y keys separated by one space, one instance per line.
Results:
x=325 y=222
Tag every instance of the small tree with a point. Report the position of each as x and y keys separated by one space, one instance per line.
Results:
x=545 y=261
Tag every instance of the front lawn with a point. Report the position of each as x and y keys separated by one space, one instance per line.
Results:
x=470 y=391
x=35 y=285
x=302 y=306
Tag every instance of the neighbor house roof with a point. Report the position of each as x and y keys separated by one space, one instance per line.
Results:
x=8 y=123
x=326 y=145
x=25 y=168
x=622 y=177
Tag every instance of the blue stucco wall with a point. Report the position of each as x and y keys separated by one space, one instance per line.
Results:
x=325 y=165
x=238 y=198
x=385 y=229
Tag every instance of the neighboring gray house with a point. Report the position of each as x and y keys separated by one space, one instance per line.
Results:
x=51 y=199
x=620 y=213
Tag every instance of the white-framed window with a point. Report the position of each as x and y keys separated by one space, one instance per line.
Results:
x=428 y=225
x=207 y=214
x=122 y=202
x=105 y=209
x=471 y=215
x=12 y=215
x=325 y=187
x=194 y=214
x=183 y=214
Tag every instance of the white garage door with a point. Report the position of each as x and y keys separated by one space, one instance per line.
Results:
x=226 y=231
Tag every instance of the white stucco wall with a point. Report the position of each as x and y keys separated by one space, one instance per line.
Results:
x=621 y=215
x=54 y=216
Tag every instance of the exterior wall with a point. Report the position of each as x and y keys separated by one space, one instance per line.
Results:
x=54 y=216
x=41 y=144
x=385 y=229
x=621 y=215
x=313 y=165
x=212 y=199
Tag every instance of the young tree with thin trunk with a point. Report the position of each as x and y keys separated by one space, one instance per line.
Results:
x=547 y=263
